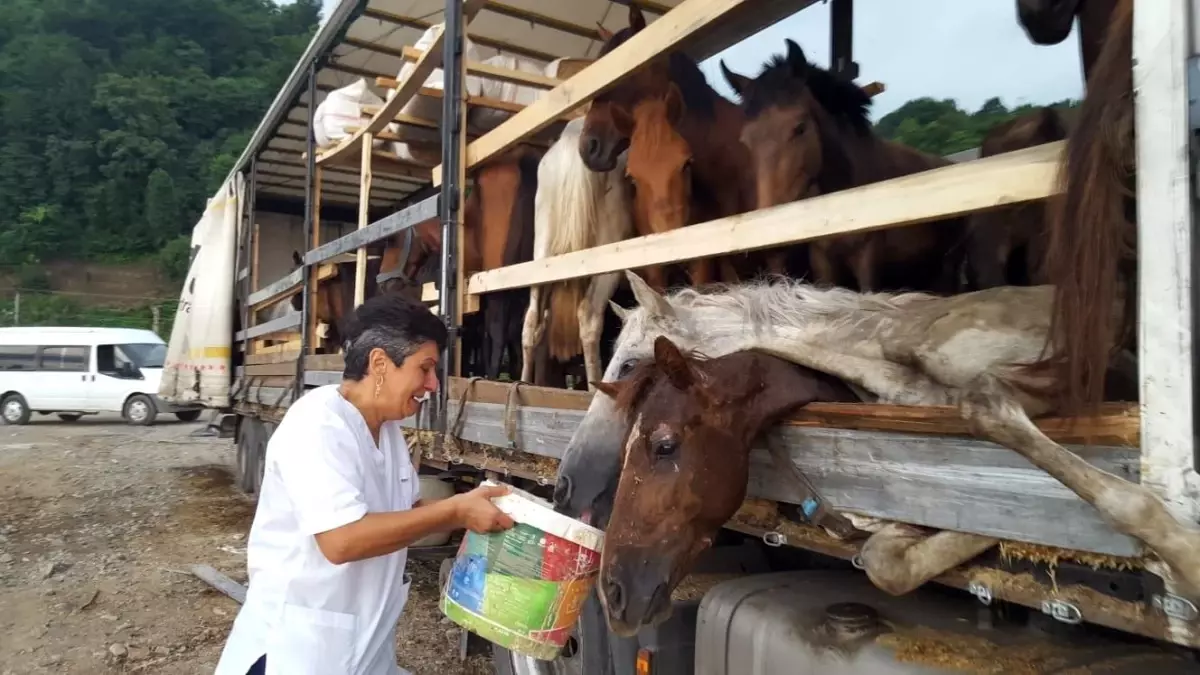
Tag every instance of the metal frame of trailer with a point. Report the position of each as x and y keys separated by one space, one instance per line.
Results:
x=915 y=465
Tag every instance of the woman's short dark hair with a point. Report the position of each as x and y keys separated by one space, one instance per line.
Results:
x=392 y=323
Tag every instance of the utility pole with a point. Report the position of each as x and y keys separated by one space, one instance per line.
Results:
x=156 y=314
x=17 y=309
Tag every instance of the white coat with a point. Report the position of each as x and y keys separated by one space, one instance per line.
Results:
x=309 y=616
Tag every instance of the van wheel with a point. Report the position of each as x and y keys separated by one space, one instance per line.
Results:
x=139 y=410
x=188 y=415
x=69 y=417
x=14 y=409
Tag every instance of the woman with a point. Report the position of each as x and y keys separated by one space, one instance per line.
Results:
x=339 y=505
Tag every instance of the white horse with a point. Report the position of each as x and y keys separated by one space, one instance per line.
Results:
x=575 y=209
x=915 y=349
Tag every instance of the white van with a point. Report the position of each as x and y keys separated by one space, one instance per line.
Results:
x=73 y=372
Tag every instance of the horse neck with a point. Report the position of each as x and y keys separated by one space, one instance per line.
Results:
x=1094 y=18
x=722 y=162
x=858 y=158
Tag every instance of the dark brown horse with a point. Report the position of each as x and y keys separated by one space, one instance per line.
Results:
x=809 y=134
x=686 y=465
x=1049 y=22
x=1092 y=227
x=334 y=300
x=689 y=165
x=1005 y=246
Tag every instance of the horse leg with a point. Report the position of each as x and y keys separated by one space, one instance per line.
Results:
x=777 y=262
x=591 y=323
x=819 y=259
x=531 y=332
x=862 y=264
x=1130 y=508
x=900 y=558
x=701 y=271
x=656 y=277
x=728 y=271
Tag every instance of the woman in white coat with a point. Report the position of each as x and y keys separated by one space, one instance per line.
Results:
x=339 y=506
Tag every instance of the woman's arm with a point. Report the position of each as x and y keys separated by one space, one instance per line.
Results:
x=377 y=534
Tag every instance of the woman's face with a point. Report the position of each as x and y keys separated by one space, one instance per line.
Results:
x=405 y=384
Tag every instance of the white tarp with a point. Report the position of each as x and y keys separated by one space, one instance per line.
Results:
x=198 y=354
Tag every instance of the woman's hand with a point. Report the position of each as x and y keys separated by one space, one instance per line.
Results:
x=475 y=511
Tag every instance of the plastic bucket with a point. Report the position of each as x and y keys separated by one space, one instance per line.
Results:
x=523 y=588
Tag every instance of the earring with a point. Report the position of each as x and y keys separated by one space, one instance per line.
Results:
x=378 y=385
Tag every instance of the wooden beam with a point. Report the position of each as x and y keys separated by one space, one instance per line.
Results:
x=364 y=218
x=220 y=582
x=482 y=40
x=418 y=178
x=395 y=190
x=948 y=191
x=430 y=296
x=476 y=101
x=489 y=71
x=430 y=62
x=417 y=213
x=951 y=483
x=279 y=325
x=529 y=16
x=685 y=20
x=278 y=287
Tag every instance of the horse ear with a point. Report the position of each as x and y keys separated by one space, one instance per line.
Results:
x=636 y=20
x=605 y=34
x=609 y=389
x=739 y=83
x=673 y=363
x=674 y=103
x=796 y=58
x=648 y=298
x=620 y=311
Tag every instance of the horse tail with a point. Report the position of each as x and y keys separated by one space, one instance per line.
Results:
x=566 y=215
x=1089 y=226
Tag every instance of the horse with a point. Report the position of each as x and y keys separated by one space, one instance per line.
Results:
x=808 y=132
x=687 y=462
x=1048 y=22
x=1005 y=246
x=574 y=209
x=898 y=348
x=1092 y=226
x=690 y=135
x=333 y=301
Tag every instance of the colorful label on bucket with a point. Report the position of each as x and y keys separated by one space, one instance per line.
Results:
x=564 y=560
x=520 y=604
x=468 y=581
x=517 y=552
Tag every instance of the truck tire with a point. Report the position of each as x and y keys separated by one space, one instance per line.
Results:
x=505 y=662
x=188 y=415
x=247 y=446
x=260 y=456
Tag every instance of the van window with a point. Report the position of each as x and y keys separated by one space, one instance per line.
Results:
x=18 y=357
x=112 y=360
x=70 y=359
x=146 y=354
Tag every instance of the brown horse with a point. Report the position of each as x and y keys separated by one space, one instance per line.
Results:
x=1005 y=246
x=809 y=134
x=686 y=465
x=702 y=172
x=333 y=301
x=1049 y=22
x=1092 y=228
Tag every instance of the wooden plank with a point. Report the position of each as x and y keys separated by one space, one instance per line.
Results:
x=481 y=40
x=264 y=369
x=278 y=287
x=220 y=582
x=1117 y=424
x=476 y=101
x=314 y=242
x=685 y=20
x=490 y=72
x=430 y=295
x=948 y=191
x=941 y=482
x=279 y=325
x=254 y=239
x=320 y=378
x=424 y=210
x=364 y=218
x=272 y=397
x=430 y=62
x=279 y=357
x=325 y=362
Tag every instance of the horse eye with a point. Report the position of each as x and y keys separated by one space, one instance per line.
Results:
x=664 y=447
x=800 y=128
x=626 y=368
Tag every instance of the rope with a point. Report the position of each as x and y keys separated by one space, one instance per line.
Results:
x=812 y=505
x=510 y=414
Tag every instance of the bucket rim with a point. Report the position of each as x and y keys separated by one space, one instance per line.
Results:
x=529 y=509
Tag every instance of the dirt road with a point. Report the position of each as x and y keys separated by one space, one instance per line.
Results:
x=99 y=522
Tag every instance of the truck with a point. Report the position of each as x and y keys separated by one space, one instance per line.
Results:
x=299 y=227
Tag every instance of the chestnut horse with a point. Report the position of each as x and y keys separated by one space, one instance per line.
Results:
x=686 y=465
x=334 y=299
x=1005 y=246
x=809 y=134
x=1049 y=22
x=1092 y=227
x=690 y=154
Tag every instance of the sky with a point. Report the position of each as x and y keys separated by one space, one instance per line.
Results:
x=967 y=50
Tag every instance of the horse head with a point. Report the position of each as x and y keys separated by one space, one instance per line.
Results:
x=686 y=463
x=659 y=163
x=602 y=141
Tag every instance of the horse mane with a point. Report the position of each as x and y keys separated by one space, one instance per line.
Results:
x=1089 y=225
x=698 y=95
x=778 y=84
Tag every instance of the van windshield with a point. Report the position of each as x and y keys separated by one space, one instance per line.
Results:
x=146 y=355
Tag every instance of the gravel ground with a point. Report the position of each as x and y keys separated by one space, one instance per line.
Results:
x=99 y=522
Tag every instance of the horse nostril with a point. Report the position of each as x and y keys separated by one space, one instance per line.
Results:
x=562 y=491
x=593 y=147
x=615 y=595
